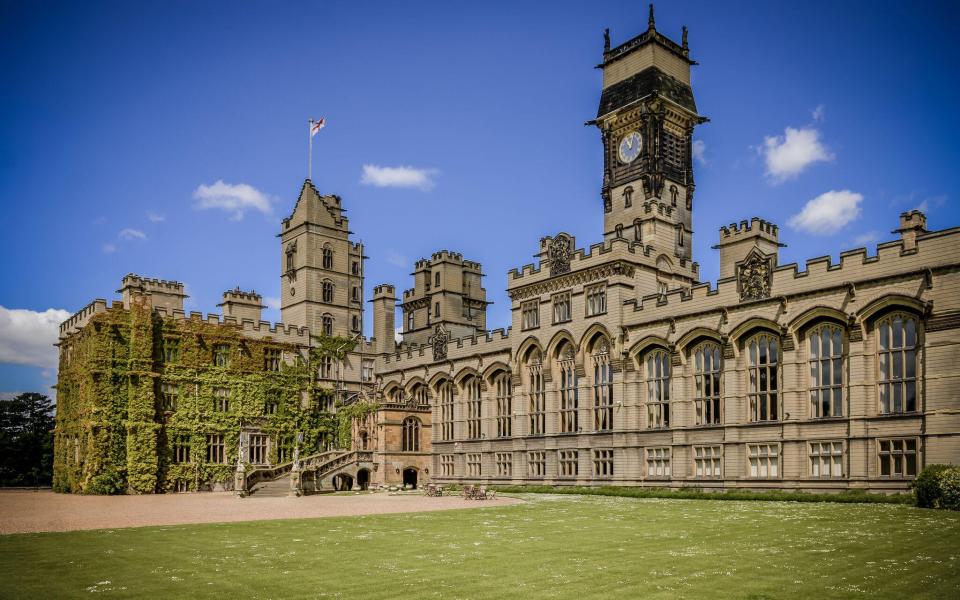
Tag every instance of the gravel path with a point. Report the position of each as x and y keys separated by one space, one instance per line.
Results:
x=29 y=512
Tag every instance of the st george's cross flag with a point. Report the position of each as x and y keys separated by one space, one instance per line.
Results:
x=316 y=126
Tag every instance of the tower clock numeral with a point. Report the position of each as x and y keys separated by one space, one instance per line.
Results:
x=629 y=148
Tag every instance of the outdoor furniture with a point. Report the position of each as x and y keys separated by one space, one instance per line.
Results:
x=481 y=493
x=467 y=492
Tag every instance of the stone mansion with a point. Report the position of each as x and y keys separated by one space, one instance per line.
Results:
x=619 y=367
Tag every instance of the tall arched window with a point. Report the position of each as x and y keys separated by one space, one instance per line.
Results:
x=537 y=393
x=706 y=364
x=825 y=343
x=445 y=393
x=897 y=347
x=628 y=197
x=364 y=440
x=327 y=256
x=504 y=390
x=472 y=389
x=637 y=231
x=602 y=387
x=411 y=434
x=327 y=287
x=763 y=354
x=569 y=394
x=420 y=394
x=658 y=389
x=327 y=324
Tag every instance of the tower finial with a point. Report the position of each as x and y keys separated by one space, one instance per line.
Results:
x=683 y=41
x=606 y=40
x=651 y=24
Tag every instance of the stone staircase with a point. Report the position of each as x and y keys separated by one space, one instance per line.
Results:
x=277 y=488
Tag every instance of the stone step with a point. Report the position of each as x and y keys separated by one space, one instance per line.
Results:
x=277 y=488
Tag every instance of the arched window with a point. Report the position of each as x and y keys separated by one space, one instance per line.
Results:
x=569 y=394
x=537 y=392
x=471 y=389
x=503 y=388
x=706 y=364
x=637 y=232
x=602 y=387
x=411 y=434
x=327 y=322
x=364 y=440
x=327 y=287
x=327 y=256
x=355 y=294
x=658 y=389
x=420 y=395
x=825 y=344
x=763 y=353
x=445 y=392
x=628 y=197
x=355 y=323
x=673 y=195
x=897 y=348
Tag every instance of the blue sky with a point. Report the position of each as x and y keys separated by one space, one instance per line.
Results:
x=117 y=114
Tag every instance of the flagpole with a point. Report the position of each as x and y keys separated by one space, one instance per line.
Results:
x=310 y=154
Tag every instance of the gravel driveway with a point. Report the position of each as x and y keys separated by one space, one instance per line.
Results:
x=29 y=511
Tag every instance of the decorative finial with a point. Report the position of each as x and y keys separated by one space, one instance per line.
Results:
x=606 y=40
x=683 y=41
x=651 y=24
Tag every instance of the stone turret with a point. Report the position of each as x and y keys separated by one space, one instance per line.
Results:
x=242 y=305
x=738 y=240
x=912 y=223
x=384 y=317
x=163 y=294
x=447 y=290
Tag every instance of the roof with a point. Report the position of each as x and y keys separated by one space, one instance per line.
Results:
x=646 y=82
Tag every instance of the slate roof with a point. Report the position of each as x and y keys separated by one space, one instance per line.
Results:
x=643 y=84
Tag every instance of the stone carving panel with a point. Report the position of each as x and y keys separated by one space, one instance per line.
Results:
x=754 y=276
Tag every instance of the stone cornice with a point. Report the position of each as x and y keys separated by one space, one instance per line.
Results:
x=568 y=280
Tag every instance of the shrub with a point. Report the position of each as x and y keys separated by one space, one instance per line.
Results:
x=938 y=486
x=106 y=482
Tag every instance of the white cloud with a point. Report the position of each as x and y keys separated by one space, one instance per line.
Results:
x=272 y=302
x=108 y=248
x=403 y=177
x=398 y=335
x=790 y=154
x=865 y=239
x=132 y=234
x=819 y=113
x=396 y=259
x=236 y=199
x=27 y=337
x=154 y=217
x=699 y=147
x=828 y=213
x=931 y=203
x=99 y=221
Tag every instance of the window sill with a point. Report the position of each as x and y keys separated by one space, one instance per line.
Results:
x=599 y=314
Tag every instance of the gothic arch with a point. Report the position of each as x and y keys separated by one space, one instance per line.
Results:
x=890 y=302
x=557 y=339
x=648 y=343
x=465 y=372
x=752 y=324
x=437 y=379
x=390 y=390
x=589 y=337
x=814 y=315
x=414 y=382
x=696 y=334
x=526 y=346
x=495 y=368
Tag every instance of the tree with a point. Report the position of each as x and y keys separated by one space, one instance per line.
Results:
x=26 y=440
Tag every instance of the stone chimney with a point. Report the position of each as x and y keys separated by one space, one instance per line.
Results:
x=242 y=305
x=384 y=318
x=737 y=240
x=912 y=223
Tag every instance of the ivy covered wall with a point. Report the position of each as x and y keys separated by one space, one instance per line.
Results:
x=137 y=392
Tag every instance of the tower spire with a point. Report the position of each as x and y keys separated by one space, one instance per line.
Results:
x=651 y=23
x=683 y=42
x=606 y=40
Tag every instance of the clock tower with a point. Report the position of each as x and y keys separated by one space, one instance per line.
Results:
x=646 y=120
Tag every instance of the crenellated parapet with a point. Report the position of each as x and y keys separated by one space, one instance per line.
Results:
x=80 y=318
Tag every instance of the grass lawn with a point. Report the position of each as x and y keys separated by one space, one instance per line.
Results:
x=551 y=547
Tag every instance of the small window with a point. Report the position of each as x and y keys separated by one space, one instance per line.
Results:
x=707 y=462
x=171 y=350
x=327 y=256
x=436 y=310
x=258 y=449
x=596 y=300
x=673 y=195
x=355 y=294
x=355 y=268
x=326 y=367
x=355 y=323
x=215 y=450
x=221 y=400
x=169 y=396
x=536 y=464
x=271 y=359
x=270 y=407
x=474 y=465
x=327 y=288
x=628 y=197
x=366 y=371
x=603 y=463
x=181 y=449
x=411 y=435
x=530 y=315
x=410 y=321
x=446 y=465
x=504 y=462
x=436 y=279
x=291 y=260
x=658 y=463
x=764 y=460
x=327 y=322
x=561 y=308
x=826 y=459
x=898 y=457
x=568 y=462
x=221 y=355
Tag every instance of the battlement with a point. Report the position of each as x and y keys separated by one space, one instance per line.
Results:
x=238 y=295
x=413 y=354
x=754 y=227
x=80 y=318
x=384 y=289
x=147 y=284
x=253 y=328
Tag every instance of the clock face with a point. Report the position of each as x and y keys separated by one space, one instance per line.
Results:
x=630 y=147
